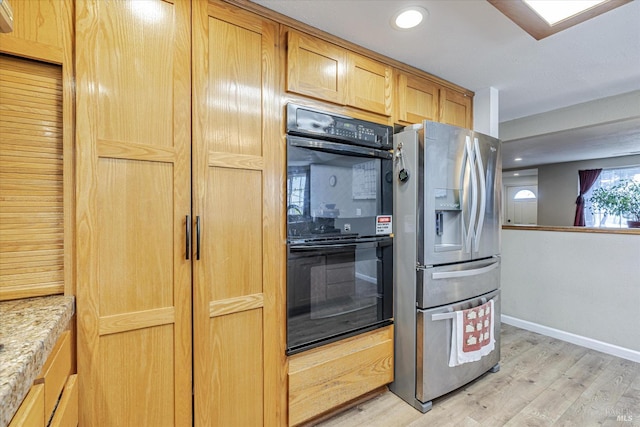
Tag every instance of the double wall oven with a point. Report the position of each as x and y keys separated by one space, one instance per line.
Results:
x=339 y=225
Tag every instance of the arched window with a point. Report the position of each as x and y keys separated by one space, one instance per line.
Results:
x=524 y=195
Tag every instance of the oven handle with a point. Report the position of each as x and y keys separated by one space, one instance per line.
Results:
x=318 y=144
x=338 y=246
x=464 y=273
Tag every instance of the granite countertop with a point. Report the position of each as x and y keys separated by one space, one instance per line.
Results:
x=29 y=329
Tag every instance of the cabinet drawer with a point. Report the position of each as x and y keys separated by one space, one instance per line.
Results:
x=67 y=412
x=327 y=377
x=31 y=411
x=55 y=372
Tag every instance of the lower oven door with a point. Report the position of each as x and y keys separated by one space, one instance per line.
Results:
x=434 y=377
x=337 y=290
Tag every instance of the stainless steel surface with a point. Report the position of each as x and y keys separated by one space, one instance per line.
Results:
x=434 y=376
x=446 y=252
x=445 y=284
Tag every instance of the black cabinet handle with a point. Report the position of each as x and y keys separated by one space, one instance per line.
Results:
x=187 y=242
x=198 y=237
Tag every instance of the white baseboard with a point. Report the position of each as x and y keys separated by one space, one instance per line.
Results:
x=604 y=347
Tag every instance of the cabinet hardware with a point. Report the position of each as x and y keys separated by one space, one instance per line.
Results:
x=198 y=237
x=188 y=238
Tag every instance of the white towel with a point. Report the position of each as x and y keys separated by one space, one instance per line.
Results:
x=472 y=334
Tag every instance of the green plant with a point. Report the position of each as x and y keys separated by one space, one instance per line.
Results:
x=621 y=199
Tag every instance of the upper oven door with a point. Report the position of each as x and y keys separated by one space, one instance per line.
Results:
x=336 y=189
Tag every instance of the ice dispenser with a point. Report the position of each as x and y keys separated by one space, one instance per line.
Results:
x=448 y=220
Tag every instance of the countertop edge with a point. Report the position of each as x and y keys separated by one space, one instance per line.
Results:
x=30 y=329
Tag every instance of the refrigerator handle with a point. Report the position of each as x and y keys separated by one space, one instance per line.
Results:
x=472 y=194
x=482 y=196
x=464 y=273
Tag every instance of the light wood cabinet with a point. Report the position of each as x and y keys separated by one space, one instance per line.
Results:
x=328 y=72
x=420 y=98
x=179 y=176
x=326 y=377
x=238 y=169
x=54 y=395
x=31 y=411
x=455 y=108
x=133 y=153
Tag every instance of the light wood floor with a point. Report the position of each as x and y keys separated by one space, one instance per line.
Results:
x=542 y=382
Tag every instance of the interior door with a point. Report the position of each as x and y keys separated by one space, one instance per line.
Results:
x=237 y=158
x=133 y=141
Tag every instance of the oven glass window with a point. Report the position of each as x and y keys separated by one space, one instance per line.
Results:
x=329 y=193
x=336 y=290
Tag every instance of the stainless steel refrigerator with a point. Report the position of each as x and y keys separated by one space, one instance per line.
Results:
x=447 y=203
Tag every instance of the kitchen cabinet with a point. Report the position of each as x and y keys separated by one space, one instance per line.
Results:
x=420 y=98
x=328 y=72
x=417 y=99
x=455 y=108
x=352 y=367
x=178 y=214
x=54 y=395
x=238 y=174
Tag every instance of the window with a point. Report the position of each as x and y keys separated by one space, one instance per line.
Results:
x=524 y=195
x=607 y=179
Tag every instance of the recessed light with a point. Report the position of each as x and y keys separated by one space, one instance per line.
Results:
x=409 y=18
x=516 y=174
x=517 y=159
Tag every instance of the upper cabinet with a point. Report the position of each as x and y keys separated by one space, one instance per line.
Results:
x=420 y=98
x=417 y=99
x=325 y=71
x=455 y=108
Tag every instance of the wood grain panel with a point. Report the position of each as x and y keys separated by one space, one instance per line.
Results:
x=31 y=411
x=369 y=84
x=232 y=237
x=31 y=179
x=147 y=356
x=66 y=414
x=316 y=68
x=136 y=320
x=38 y=30
x=136 y=224
x=326 y=377
x=237 y=181
x=455 y=109
x=417 y=99
x=237 y=368
x=134 y=31
x=235 y=110
x=235 y=305
x=133 y=158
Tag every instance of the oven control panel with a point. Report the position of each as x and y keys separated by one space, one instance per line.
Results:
x=305 y=121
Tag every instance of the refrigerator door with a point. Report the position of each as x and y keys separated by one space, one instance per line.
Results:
x=449 y=283
x=488 y=165
x=445 y=213
x=434 y=377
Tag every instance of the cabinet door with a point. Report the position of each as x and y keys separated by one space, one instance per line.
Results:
x=455 y=108
x=133 y=139
x=369 y=84
x=316 y=68
x=418 y=99
x=237 y=167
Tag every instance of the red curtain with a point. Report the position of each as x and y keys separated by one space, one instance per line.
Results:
x=587 y=179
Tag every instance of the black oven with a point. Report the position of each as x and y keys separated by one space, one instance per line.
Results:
x=339 y=226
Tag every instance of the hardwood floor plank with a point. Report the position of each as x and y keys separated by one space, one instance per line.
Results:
x=542 y=382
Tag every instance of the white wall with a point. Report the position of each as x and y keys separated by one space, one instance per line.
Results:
x=586 y=284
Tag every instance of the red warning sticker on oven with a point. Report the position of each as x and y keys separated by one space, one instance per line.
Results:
x=384 y=224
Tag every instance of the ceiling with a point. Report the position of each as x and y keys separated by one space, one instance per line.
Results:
x=472 y=44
